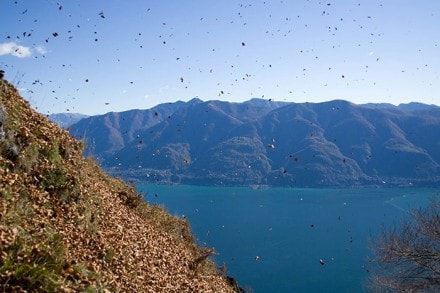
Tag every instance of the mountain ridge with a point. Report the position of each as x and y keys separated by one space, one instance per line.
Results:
x=65 y=120
x=260 y=142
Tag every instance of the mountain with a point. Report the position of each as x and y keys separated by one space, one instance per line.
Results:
x=263 y=143
x=66 y=226
x=105 y=134
x=414 y=106
x=65 y=120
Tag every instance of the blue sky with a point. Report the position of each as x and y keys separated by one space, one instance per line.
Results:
x=112 y=55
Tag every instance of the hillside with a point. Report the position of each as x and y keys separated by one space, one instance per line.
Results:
x=262 y=143
x=66 y=226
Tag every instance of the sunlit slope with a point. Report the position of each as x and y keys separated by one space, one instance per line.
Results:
x=65 y=225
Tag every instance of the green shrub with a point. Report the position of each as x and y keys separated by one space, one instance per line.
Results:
x=54 y=179
x=53 y=154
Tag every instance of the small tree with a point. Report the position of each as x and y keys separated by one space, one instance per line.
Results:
x=407 y=257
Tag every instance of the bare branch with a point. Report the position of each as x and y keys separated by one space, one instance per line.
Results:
x=407 y=256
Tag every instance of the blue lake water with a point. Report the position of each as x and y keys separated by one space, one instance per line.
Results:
x=272 y=240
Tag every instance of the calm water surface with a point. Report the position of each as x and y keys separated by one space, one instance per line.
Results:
x=272 y=240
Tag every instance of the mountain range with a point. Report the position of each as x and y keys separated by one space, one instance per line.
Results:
x=267 y=143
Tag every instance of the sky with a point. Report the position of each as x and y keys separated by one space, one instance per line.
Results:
x=98 y=56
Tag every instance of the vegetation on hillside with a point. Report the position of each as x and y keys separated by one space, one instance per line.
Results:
x=66 y=226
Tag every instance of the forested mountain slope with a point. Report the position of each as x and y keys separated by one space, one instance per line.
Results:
x=330 y=144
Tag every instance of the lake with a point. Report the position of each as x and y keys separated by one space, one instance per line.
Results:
x=272 y=240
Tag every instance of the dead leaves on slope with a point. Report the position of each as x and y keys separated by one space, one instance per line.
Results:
x=98 y=229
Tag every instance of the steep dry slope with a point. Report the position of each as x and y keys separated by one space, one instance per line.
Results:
x=66 y=226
